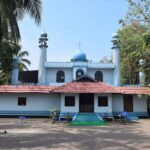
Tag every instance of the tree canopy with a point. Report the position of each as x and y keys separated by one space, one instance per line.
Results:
x=11 y=11
x=138 y=11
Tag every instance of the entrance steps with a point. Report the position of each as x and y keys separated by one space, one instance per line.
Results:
x=87 y=117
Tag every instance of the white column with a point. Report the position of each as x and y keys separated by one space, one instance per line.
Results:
x=15 y=72
x=116 y=61
x=141 y=73
x=43 y=58
x=116 y=58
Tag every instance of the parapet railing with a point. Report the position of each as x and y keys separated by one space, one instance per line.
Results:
x=74 y=64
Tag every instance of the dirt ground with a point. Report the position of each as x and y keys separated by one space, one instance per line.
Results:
x=39 y=134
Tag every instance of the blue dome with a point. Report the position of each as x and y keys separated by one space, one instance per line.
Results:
x=80 y=56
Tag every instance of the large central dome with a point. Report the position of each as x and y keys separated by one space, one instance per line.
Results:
x=80 y=56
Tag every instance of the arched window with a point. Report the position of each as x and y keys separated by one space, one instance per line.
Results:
x=60 y=76
x=99 y=76
x=79 y=73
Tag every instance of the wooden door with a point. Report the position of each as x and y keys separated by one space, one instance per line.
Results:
x=86 y=103
x=128 y=103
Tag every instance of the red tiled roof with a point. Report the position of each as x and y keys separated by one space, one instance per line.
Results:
x=86 y=87
x=133 y=90
x=75 y=87
x=25 y=89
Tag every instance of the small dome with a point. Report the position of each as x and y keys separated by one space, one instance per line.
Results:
x=44 y=35
x=141 y=62
x=80 y=56
x=115 y=36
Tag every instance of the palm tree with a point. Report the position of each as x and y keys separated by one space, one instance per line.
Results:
x=8 y=49
x=13 y=10
x=23 y=62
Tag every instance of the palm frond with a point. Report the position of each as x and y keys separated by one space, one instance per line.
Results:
x=26 y=61
x=22 y=67
x=33 y=7
x=22 y=54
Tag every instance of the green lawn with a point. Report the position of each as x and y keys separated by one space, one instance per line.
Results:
x=89 y=124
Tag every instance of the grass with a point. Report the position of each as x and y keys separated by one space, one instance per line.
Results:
x=89 y=124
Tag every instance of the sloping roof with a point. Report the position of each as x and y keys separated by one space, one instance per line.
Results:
x=75 y=87
x=85 y=78
x=133 y=90
x=25 y=89
x=86 y=87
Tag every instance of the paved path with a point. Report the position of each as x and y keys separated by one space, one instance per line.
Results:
x=39 y=134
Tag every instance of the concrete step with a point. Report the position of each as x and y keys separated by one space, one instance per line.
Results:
x=87 y=117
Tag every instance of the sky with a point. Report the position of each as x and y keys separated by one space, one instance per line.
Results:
x=68 y=22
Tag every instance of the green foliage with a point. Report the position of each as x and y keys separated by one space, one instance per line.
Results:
x=8 y=49
x=134 y=45
x=68 y=117
x=10 y=13
x=53 y=114
x=3 y=77
x=23 y=62
x=14 y=10
x=138 y=11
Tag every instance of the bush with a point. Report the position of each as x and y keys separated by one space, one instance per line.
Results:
x=53 y=114
x=69 y=117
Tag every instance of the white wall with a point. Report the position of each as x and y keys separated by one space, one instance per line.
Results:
x=102 y=109
x=35 y=102
x=117 y=103
x=70 y=74
x=139 y=104
x=107 y=74
x=75 y=69
x=68 y=108
x=51 y=74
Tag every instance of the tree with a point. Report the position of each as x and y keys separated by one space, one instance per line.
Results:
x=8 y=49
x=23 y=62
x=106 y=60
x=132 y=50
x=14 y=10
x=3 y=78
x=8 y=53
x=11 y=11
x=138 y=11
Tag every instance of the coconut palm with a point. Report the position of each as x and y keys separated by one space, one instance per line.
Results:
x=23 y=62
x=13 y=10
x=8 y=49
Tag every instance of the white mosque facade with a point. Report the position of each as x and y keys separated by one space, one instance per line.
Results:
x=78 y=86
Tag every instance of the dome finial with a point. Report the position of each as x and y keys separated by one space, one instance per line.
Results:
x=79 y=44
x=80 y=55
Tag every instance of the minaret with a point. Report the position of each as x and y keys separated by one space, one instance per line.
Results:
x=141 y=73
x=116 y=58
x=43 y=58
x=15 y=72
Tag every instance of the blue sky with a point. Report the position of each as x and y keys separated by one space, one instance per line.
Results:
x=68 y=22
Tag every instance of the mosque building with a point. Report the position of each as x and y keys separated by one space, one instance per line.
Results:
x=77 y=86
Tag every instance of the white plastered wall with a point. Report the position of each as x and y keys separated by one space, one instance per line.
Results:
x=68 y=108
x=107 y=74
x=107 y=109
x=51 y=74
x=139 y=104
x=34 y=102
x=117 y=103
